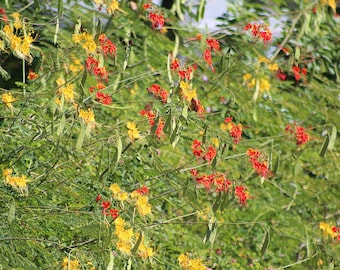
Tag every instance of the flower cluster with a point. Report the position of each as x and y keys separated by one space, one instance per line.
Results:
x=242 y=194
x=329 y=230
x=158 y=92
x=147 y=112
x=261 y=167
x=17 y=37
x=235 y=131
x=264 y=84
x=190 y=95
x=65 y=90
x=87 y=116
x=68 y=264
x=215 y=181
x=156 y=18
x=197 y=149
x=190 y=264
x=111 y=6
x=8 y=99
x=32 y=75
x=107 y=45
x=86 y=40
x=19 y=183
x=103 y=98
x=92 y=65
x=300 y=133
x=132 y=131
x=260 y=31
x=297 y=71
x=212 y=45
x=106 y=210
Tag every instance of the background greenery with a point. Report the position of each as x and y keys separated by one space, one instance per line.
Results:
x=279 y=226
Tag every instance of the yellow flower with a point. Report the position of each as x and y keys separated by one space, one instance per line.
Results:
x=196 y=264
x=183 y=261
x=115 y=188
x=133 y=131
x=264 y=85
x=60 y=81
x=113 y=7
x=215 y=142
x=187 y=92
x=124 y=247
x=327 y=229
x=144 y=251
x=70 y=264
x=7 y=98
x=247 y=77
x=17 y=23
x=330 y=3
x=273 y=67
x=122 y=196
x=124 y=235
x=263 y=59
x=119 y=223
x=67 y=92
x=143 y=206
x=18 y=183
x=86 y=40
x=87 y=116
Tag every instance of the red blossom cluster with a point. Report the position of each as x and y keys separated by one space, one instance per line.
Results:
x=281 y=75
x=210 y=181
x=147 y=112
x=104 y=98
x=260 y=31
x=186 y=73
x=297 y=71
x=156 y=18
x=213 y=45
x=337 y=231
x=92 y=66
x=301 y=135
x=261 y=167
x=143 y=190
x=174 y=64
x=107 y=46
x=197 y=150
x=242 y=194
x=196 y=106
x=235 y=130
x=158 y=92
x=4 y=16
x=105 y=205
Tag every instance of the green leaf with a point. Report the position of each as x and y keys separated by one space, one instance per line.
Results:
x=111 y=262
x=211 y=231
x=119 y=148
x=265 y=242
x=138 y=242
x=297 y=54
x=332 y=138
x=61 y=125
x=60 y=7
x=81 y=138
x=324 y=146
x=200 y=10
x=11 y=212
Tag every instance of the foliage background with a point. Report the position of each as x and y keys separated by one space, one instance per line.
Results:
x=279 y=226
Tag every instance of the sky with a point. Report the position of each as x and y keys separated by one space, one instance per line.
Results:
x=213 y=9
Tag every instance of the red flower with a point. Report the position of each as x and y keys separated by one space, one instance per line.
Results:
x=104 y=98
x=114 y=213
x=236 y=132
x=240 y=192
x=259 y=31
x=281 y=75
x=207 y=56
x=228 y=119
x=105 y=204
x=174 y=64
x=213 y=44
x=107 y=46
x=143 y=190
x=210 y=154
x=260 y=167
x=157 y=20
x=301 y=135
x=159 y=129
x=98 y=198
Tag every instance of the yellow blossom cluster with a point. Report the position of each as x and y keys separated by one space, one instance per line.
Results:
x=330 y=3
x=86 y=40
x=111 y=5
x=190 y=264
x=327 y=229
x=19 y=183
x=273 y=67
x=76 y=64
x=87 y=116
x=126 y=238
x=20 y=44
x=7 y=98
x=66 y=90
x=187 y=92
x=70 y=264
x=264 y=84
x=132 y=131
